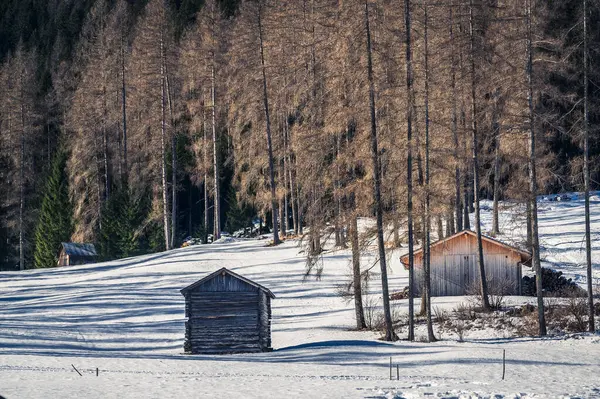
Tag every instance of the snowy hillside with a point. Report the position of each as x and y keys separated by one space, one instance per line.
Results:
x=126 y=319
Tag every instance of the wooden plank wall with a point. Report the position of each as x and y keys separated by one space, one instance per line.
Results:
x=454 y=268
x=264 y=317
x=223 y=322
x=63 y=258
x=225 y=283
x=227 y=315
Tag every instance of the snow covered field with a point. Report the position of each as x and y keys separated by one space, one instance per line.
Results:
x=126 y=319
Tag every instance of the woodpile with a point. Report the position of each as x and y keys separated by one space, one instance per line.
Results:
x=396 y=296
x=553 y=283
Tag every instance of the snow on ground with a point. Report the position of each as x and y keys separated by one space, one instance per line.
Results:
x=225 y=240
x=126 y=318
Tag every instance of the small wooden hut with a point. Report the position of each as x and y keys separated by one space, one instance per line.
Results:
x=227 y=313
x=73 y=253
x=455 y=270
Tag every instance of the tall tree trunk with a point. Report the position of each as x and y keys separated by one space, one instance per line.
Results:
x=295 y=205
x=427 y=243
x=495 y=217
x=282 y=200
x=586 y=171
x=483 y=282
x=163 y=144
x=22 y=184
x=205 y=164
x=450 y=223
x=276 y=240
x=357 y=280
x=173 y=189
x=390 y=335
x=124 y=110
x=282 y=215
x=465 y=205
x=395 y=220
x=217 y=195
x=286 y=166
x=190 y=216
x=496 y=132
x=532 y=179
x=119 y=142
x=472 y=197
x=173 y=159
x=105 y=145
x=213 y=90
x=423 y=282
x=339 y=239
x=293 y=198
x=283 y=179
x=299 y=205
x=529 y=242
x=286 y=205
x=457 y=178
x=98 y=180
x=440 y=227
x=315 y=223
x=466 y=175
x=409 y=167
x=343 y=237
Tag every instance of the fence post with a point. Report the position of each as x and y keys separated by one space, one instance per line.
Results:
x=75 y=368
x=503 y=363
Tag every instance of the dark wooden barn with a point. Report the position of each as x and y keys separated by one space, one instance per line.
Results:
x=73 y=253
x=227 y=313
x=455 y=271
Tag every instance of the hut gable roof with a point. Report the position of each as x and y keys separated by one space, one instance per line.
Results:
x=79 y=249
x=232 y=274
x=525 y=255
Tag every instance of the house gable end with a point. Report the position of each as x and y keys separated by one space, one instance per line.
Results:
x=465 y=242
x=224 y=280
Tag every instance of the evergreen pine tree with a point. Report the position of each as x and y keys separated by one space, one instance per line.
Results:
x=55 y=223
x=239 y=214
x=108 y=233
x=122 y=224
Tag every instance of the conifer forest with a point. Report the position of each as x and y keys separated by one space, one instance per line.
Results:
x=133 y=124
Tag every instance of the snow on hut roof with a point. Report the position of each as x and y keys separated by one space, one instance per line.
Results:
x=235 y=275
x=79 y=249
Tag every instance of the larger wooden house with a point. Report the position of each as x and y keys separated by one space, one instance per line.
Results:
x=227 y=313
x=455 y=270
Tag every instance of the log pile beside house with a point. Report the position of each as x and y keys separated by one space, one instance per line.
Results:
x=227 y=313
x=454 y=269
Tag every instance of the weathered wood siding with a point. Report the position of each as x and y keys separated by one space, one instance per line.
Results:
x=74 y=260
x=454 y=269
x=227 y=315
x=63 y=258
x=225 y=283
x=264 y=321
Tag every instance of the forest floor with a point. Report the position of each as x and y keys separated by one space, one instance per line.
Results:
x=126 y=320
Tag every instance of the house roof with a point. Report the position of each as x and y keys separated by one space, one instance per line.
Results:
x=79 y=249
x=525 y=255
x=235 y=275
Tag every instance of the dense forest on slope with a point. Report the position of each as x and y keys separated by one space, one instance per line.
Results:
x=126 y=113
